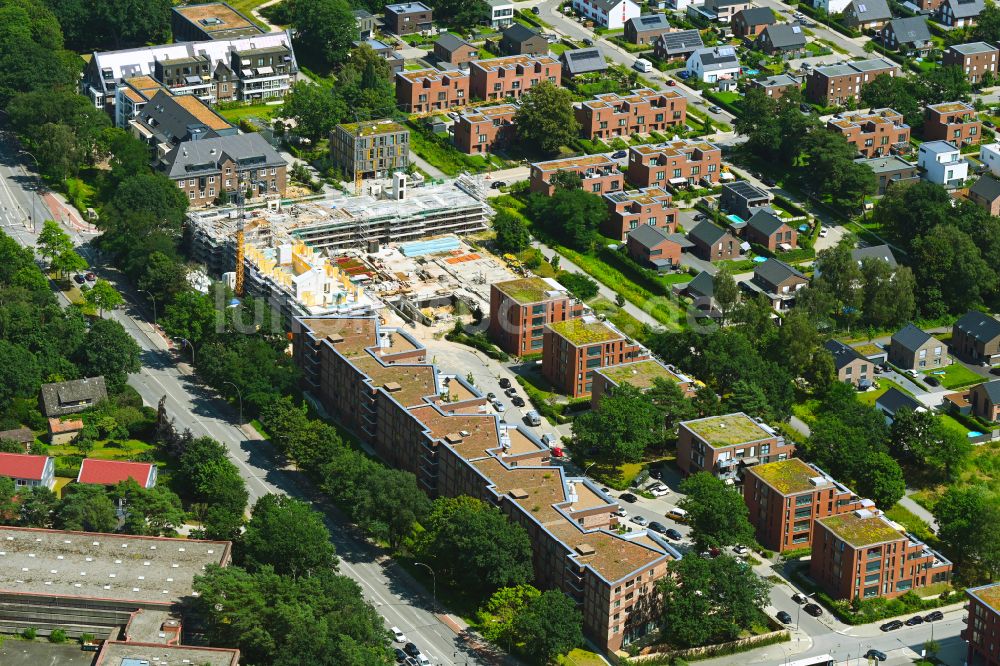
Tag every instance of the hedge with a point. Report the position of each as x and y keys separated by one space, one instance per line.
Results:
x=826 y=20
x=788 y=205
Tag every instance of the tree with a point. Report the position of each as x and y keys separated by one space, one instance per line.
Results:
x=572 y=217
x=9 y=510
x=191 y=316
x=833 y=171
x=474 y=545
x=461 y=14
x=883 y=480
x=165 y=277
x=87 y=509
x=207 y=476
x=946 y=84
x=622 y=427
x=287 y=535
x=19 y=372
x=497 y=615
x=33 y=57
x=53 y=241
x=316 y=109
x=103 y=296
x=711 y=600
x=551 y=624
x=109 y=351
x=545 y=117
x=840 y=281
x=38 y=507
x=726 y=292
x=889 y=298
x=921 y=438
x=153 y=511
x=988 y=23
x=674 y=406
x=894 y=92
x=325 y=29
x=717 y=513
x=749 y=398
x=511 y=231
x=68 y=262
x=365 y=85
x=566 y=180
x=579 y=285
x=759 y=122
x=910 y=211
x=947 y=258
x=113 y=23
x=798 y=343
x=967 y=519
x=390 y=505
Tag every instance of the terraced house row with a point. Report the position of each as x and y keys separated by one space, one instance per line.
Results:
x=376 y=380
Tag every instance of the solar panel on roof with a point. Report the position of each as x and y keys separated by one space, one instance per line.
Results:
x=796 y=29
x=584 y=55
x=649 y=20
x=727 y=51
x=862 y=8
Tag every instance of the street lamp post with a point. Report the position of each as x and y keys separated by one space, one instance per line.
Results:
x=239 y=394
x=33 y=218
x=188 y=343
x=434 y=579
x=153 y=300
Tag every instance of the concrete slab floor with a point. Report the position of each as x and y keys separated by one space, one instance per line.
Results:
x=17 y=652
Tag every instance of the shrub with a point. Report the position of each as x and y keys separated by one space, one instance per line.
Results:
x=796 y=554
x=57 y=636
x=29 y=634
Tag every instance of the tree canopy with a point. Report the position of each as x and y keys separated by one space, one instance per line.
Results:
x=622 y=427
x=288 y=536
x=717 y=513
x=545 y=117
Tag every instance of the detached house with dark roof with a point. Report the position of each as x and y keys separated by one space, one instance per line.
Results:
x=985 y=400
x=960 y=13
x=908 y=35
x=852 y=367
x=867 y=14
x=776 y=280
x=880 y=252
x=406 y=18
x=767 y=229
x=76 y=395
x=976 y=337
x=519 y=39
x=454 y=50
x=986 y=194
x=776 y=86
x=784 y=39
x=583 y=61
x=742 y=198
x=913 y=349
x=751 y=22
x=893 y=401
x=701 y=291
x=713 y=243
x=651 y=246
x=675 y=46
x=646 y=28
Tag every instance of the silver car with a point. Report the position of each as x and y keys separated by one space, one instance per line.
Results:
x=640 y=521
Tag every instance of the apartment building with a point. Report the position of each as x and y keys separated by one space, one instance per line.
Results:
x=628 y=210
x=982 y=625
x=643 y=375
x=243 y=69
x=941 y=163
x=956 y=122
x=376 y=380
x=520 y=310
x=212 y=20
x=724 y=445
x=834 y=85
x=499 y=78
x=863 y=555
x=131 y=96
x=598 y=174
x=785 y=498
x=406 y=18
x=975 y=59
x=429 y=90
x=573 y=349
x=640 y=112
x=776 y=86
x=676 y=163
x=480 y=130
x=373 y=149
x=875 y=133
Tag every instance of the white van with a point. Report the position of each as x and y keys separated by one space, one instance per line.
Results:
x=643 y=65
x=678 y=514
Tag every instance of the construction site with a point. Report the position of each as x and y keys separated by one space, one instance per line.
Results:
x=392 y=249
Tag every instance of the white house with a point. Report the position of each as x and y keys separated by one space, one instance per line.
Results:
x=989 y=154
x=610 y=14
x=28 y=471
x=679 y=5
x=501 y=13
x=831 y=6
x=714 y=63
x=942 y=163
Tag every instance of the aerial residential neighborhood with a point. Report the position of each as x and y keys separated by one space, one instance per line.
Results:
x=551 y=332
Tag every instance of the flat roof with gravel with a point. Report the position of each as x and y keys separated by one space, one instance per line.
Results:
x=727 y=430
x=115 y=653
x=861 y=528
x=105 y=566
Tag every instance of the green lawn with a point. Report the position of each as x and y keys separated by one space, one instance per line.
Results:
x=558 y=48
x=956 y=376
x=952 y=423
x=238 y=113
x=869 y=397
x=910 y=521
x=440 y=153
x=580 y=657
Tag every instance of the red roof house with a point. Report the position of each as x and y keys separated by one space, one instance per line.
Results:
x=111 y=472
x=28 y=470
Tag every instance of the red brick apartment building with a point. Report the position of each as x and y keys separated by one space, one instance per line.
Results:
x=499 y=78
x=640 y=374
x=875 y=133
x=680 y=162
x=573 y=349
x=478 y=131
x=975 y=59
x=835 y=85
x=982 y=625
x=599 y=174
x=375 y=380
x=641 y=111
x=863 y=555
x=520 y=310
x=629 y=210
x=956 y=122
x=723 y=445
x=785 y=498
x=426 y=90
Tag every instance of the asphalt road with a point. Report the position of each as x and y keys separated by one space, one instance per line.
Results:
x=195 y=407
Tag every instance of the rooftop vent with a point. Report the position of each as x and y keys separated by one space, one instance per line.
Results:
x=392 y=387
x=818 y=481
x=518 y=493
x=584 y=549
x=453 y=438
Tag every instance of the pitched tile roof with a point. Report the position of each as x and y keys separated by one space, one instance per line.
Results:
x=648 y=236
x=910 y=337
x=992 y=390
x=785 y=35
x=894 y=400
x=883 y=252
x=987 y=187
x=684 y=41
x=979 y=326
x=706 y=232
x=910 y=30
x=871 y=10
x=775 y=271
x=451 y=41
x=756 y=16
x=842 y=354
x=965 y=8
x=22 y=466
x=519 y=33
x=648 y=22
x=765 y=222
x=582 y=61
x=703 y=284
x=110 y=472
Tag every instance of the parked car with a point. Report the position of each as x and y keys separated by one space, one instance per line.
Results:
x=658 y=527
x=715 y=109
x=497 y=405
x=621 y=512
x=511 y=392
x=799 y=598
x=504 y=383
x=699 y=217
x=784 y=617
x=875 y=654
x=673 y=534
x=824 y=232
x=423 y=661
x=588 y=42
x=400 y=656
x=932 y=381
x=90 y=276
x=656 y=473
x=410 y=661
x=989 y=123
x=934 y=616
x=685 y=75
x=517 y=401
x=628 y=497
x=741 y=550
x=891 y=626
x=641 y=521
x=79 y=279
x=671 y=82
x=398 y=636
x=497 y=184
x=813 y=609
x=533 y=418
x=658 y=490
x=915 y=620
x=534 y=10
x=618 y=154
x=491 y=396
x=803 y=107
x=411 y=649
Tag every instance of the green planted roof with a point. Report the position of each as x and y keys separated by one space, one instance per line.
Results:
x=640 y=374
x=526 y=290
x=726 y=430
x=580 y=332
x=788 y=477
x=861 y=531
x=989 y=595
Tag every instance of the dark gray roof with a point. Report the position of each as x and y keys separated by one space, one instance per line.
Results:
x=746 y=190
x=894 y=400
x=910 y=30
x=842 y=354
x=786 y=35
x=63 y=398
x=194 y=158
x=979 y=326
x=519 y=33
x=765 y=222
x=170 y=122
x=648 y=22
x=685 y=41
x=450 y=41
x=992 y=389
x=965 y=8
x=883 y=252
x=647 y=236
x=910 y=337
x=778 y=80
x=775 y=271
x=581 y=61
x=987 y=187
x=706 y=232
x=361 y=14
x=871 y=10
x=971 y=48
x=703 y=284
x=757 y=16
x=681 y=240
x=717 y=57
x=21 y=435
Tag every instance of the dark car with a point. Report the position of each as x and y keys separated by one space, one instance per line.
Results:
x=914 y=621
x=517 y=401
x=671 y=82
x=497 y=184
x=534 y=10
x=799 y=598
x=769 y=181
x=411 y=649
x=876 y=655
x=79 y=279
x=934 y=617
x=673 y=534
x=784 y=617
x=805 y=108
x=656 y=473
x=618 y=154
x=685 y=74
x=813 y=610
x=588 y=42
x=628 y=497
x=400 y=656
x=504 y=383
x=658 y=527
x=932 y=381
x=989 y=123
x=891 y=626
